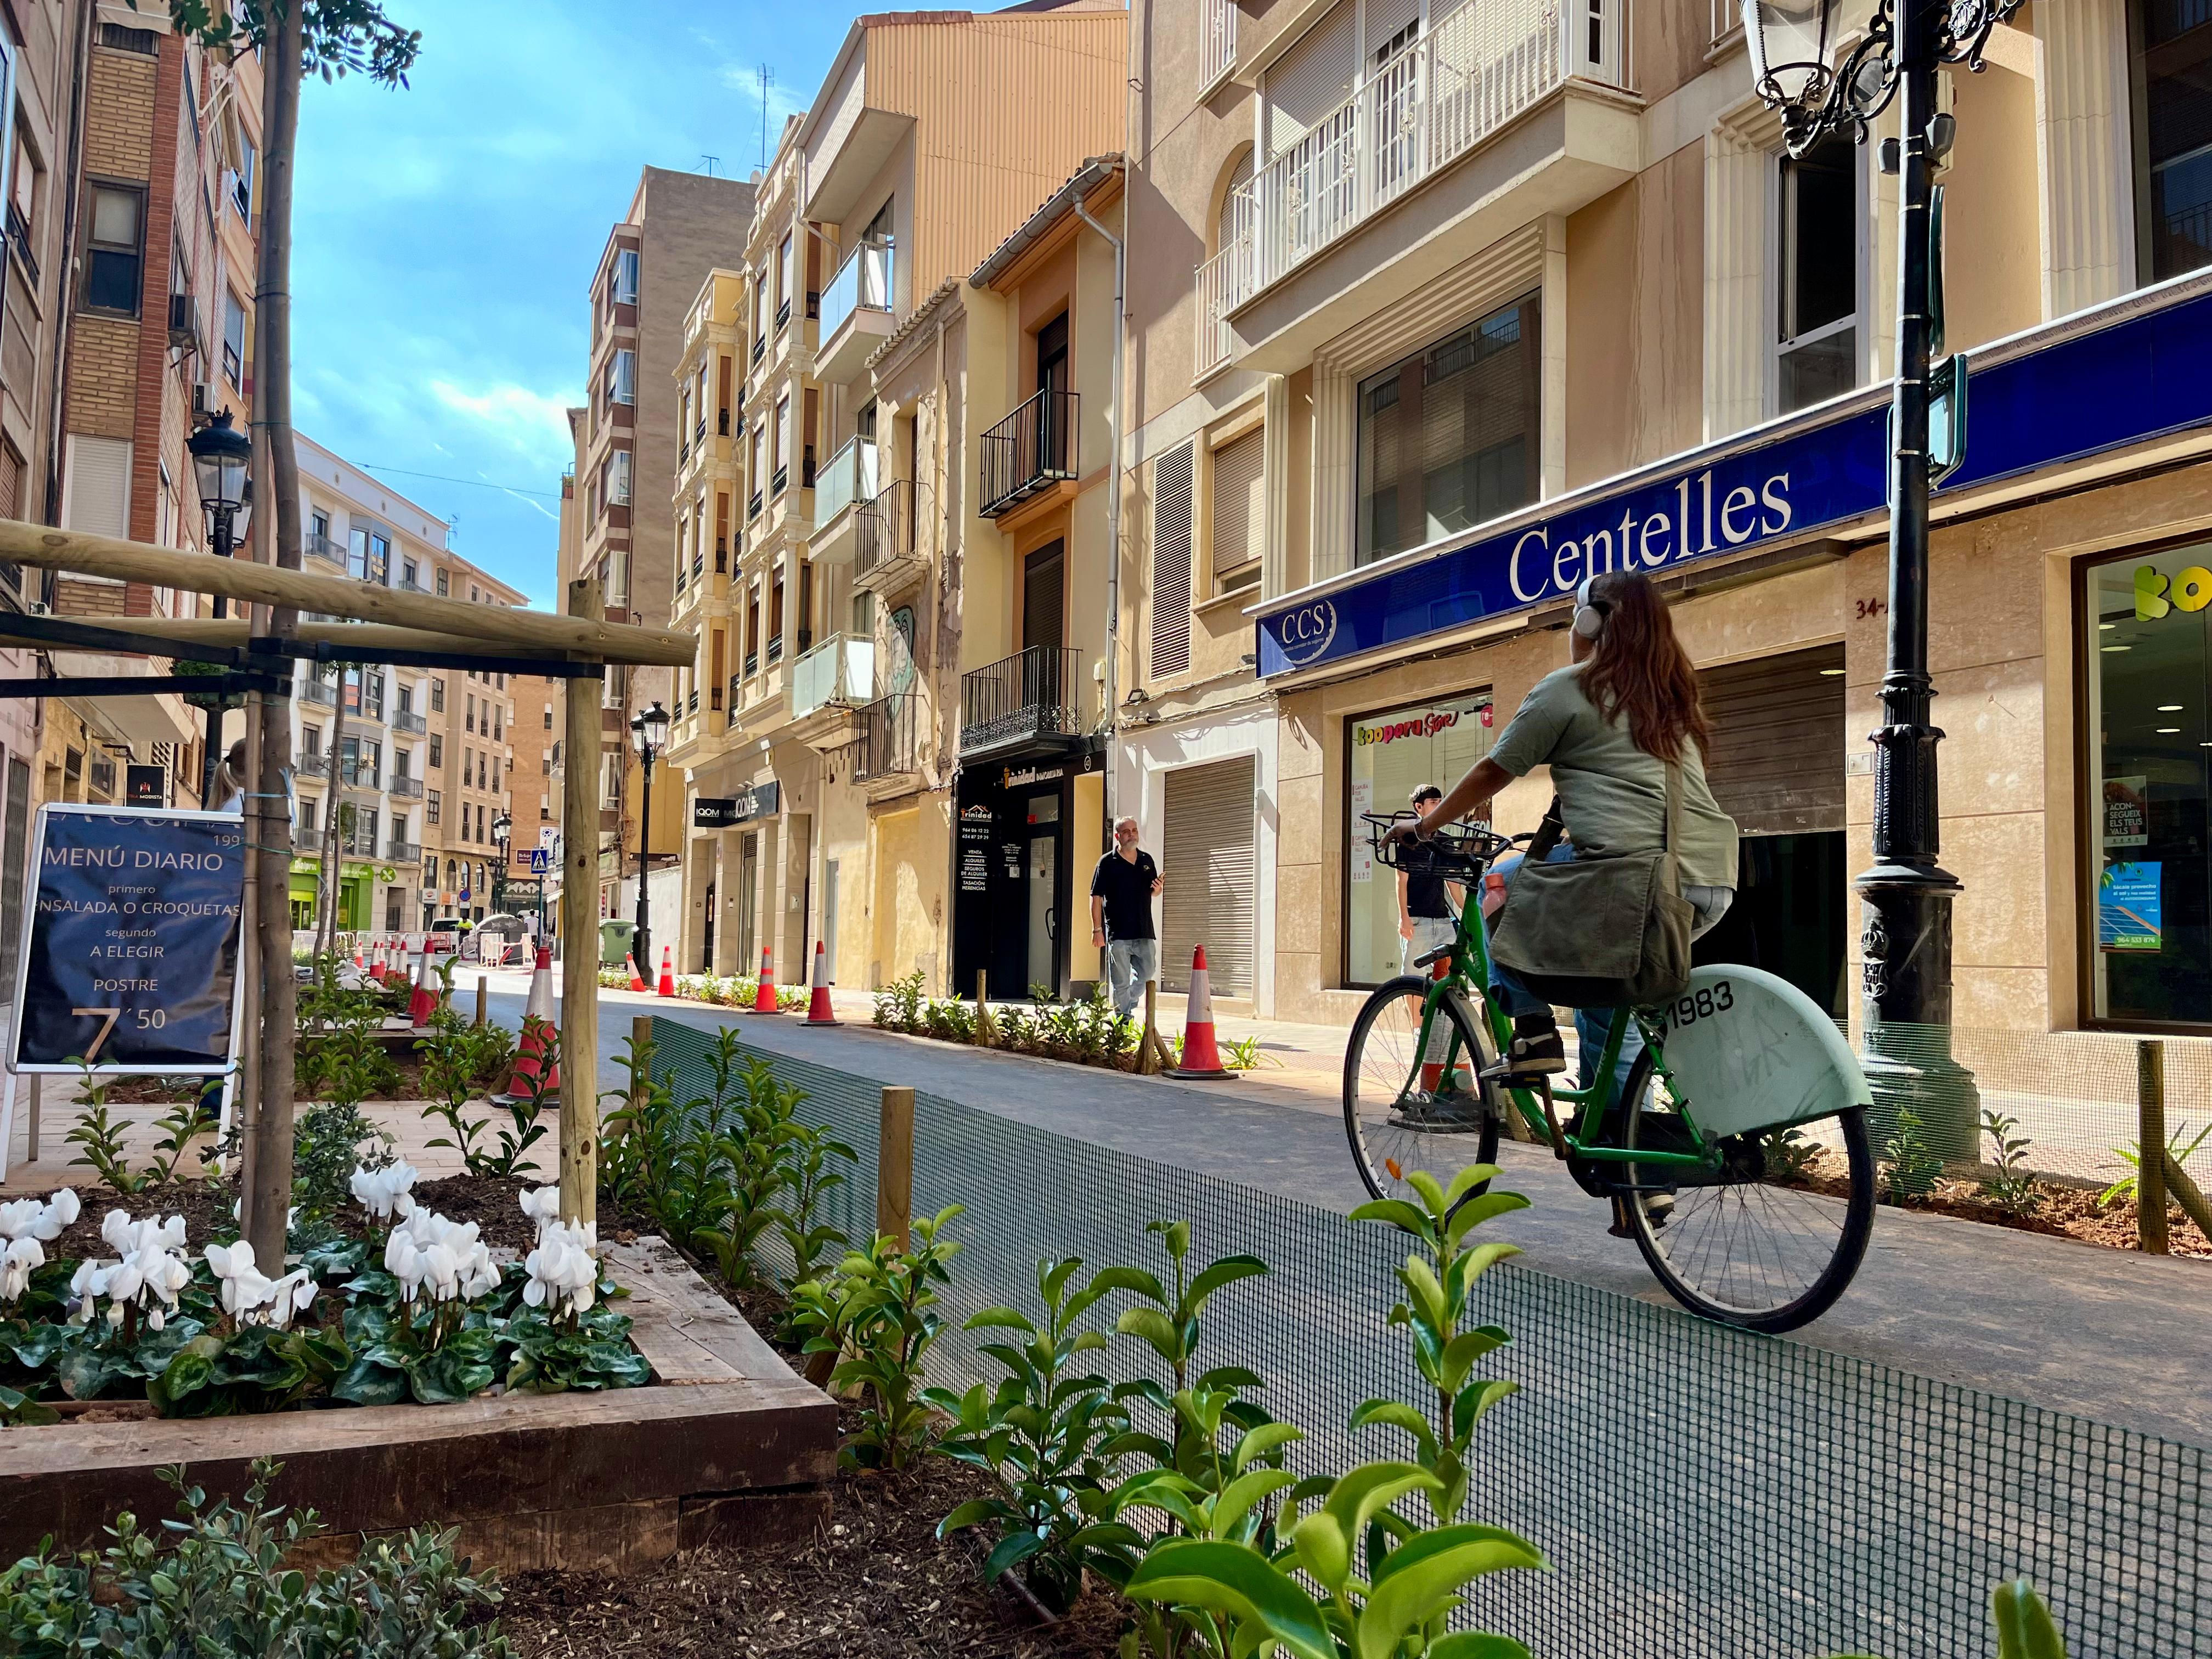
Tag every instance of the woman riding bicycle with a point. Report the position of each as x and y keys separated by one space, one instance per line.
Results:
x=1608 y=724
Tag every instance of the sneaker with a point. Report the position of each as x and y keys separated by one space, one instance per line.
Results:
x=1536 y=1051
x=1447 y=1112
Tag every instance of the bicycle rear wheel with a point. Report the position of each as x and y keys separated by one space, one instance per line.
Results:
x=1400 y=1120
x=1734 y=1244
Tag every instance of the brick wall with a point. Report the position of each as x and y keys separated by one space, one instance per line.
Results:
x=103 y=379
x=119 y=96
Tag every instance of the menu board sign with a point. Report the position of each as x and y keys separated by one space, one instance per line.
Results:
x=130 y=957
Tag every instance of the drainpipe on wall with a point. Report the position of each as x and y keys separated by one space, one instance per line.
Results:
x=1113 y=504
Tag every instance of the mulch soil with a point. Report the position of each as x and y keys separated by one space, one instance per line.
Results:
x=876 y=1583
x=2063 y=1210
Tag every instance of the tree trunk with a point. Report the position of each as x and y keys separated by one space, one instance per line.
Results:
x=268 y=1198
x=326 y=937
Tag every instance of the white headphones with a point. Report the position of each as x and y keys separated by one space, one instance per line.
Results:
x=1589 y=616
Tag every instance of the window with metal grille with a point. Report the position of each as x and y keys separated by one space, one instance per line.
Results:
x=1171 y=505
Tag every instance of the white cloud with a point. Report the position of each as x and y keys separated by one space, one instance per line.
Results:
x=530 y=421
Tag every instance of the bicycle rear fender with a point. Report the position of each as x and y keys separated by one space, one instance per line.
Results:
x=1750 y=1051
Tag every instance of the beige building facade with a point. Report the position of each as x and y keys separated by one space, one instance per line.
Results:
x=1435 y=309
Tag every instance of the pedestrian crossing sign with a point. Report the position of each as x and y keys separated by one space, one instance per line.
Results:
x=541 y=860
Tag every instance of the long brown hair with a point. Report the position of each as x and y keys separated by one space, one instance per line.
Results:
x=1640 y=666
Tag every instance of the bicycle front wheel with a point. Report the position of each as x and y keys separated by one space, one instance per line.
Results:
x=1769 y=1239
x=1411 y=1106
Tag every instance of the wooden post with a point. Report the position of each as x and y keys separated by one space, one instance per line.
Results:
x=2150 y=1145
x=33 y=1124
x=640 y=1034
x=2188 y=1194
x=580 y=966
x=986 y=1029
x=1148 y=1052
x=894 y=1165
x=484 y=989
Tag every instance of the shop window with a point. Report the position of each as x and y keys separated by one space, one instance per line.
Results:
x=1816 y=353
x=1450 y=438
x=1394 y=751
x=2171 y=60
x=2149 y=647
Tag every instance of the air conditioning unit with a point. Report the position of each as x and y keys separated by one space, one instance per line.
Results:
x=184 y=322
x=204 y=401
x=37 y=608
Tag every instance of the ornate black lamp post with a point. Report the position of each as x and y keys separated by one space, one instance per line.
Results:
x=1907 y=895
x=649 y=734
x=503 y=832
x=221 y=455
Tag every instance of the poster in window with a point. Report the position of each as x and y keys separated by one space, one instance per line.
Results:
x=2129 y=912
x=129 y=962
x=2127 y=812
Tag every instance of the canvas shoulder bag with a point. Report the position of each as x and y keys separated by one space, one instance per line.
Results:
x=1599 y=932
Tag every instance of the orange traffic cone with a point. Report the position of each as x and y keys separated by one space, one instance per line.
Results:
x=818 y=1012
x=667 y=986
x=424 y=1001
x=764 y=998
x=1200 y=1057
x=1432 y=1061
x=539 y=1050
x=636 y=980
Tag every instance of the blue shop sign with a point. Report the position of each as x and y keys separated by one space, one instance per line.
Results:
x=2139 y=377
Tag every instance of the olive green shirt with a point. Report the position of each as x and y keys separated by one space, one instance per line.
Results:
x=1613 y=796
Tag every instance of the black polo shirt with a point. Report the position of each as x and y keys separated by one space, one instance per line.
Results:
x=1127 y=887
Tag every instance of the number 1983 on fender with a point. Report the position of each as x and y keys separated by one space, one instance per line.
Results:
x=1702 y=1004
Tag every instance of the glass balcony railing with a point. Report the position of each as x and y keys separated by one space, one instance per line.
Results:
x=863 y=283
x=404 y=720
x=840 y=670
x=849 y=477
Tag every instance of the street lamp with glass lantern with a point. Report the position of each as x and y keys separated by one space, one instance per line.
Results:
x=503 y=832
x=649 y=736
x=220 y=456
x=1905 y=897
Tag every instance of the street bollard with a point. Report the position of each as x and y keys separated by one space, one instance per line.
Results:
x=895 y=1166
x=2150 y=1145
x=482 y=989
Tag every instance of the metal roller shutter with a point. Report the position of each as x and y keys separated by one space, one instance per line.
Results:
x=1209 y=875
x=1312 y=78
x=1777 y=760
x=1171 y=568
x=1240 y=502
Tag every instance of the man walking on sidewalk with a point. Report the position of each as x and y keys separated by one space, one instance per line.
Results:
x=1121 y=892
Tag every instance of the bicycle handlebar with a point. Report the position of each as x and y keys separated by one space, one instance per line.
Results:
x=1452 y=850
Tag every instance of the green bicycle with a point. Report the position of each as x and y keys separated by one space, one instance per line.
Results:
x=1734 y=1149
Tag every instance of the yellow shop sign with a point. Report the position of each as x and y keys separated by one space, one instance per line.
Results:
x=2156 y=593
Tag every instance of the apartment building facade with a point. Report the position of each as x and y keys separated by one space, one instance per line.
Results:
x=1479 y=299
x=863 y=556
x=143 y=200
x=678 y=226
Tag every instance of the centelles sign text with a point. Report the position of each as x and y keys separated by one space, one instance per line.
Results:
x=2146 y=373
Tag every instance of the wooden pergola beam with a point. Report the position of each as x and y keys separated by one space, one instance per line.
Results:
x=48 y=549
x=376 y=636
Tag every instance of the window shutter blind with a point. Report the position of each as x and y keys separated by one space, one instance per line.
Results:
x=1313 y=77
x=1208 y=876
x=1385 y=19
x=1239 y=501
x=100 y=485
x=1171 y=503
x=1778 y=729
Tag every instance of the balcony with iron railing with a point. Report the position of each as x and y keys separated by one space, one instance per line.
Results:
x=403 y=851
x=887 y=738
x=1034 y=697
x=317 y=765
x=856 y=310
x=316 y=546
x=1431 y=106
x=404 y=788
x=840 y=670
x=324 y=692
x=405 y=720
x=1031 y=450
x=886 y=560
x=845 y=483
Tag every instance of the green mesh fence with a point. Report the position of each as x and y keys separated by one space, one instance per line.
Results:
x=1700 y=1490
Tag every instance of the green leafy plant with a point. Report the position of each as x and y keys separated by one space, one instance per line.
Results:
x=221 y=1583
x=1041 y=1434
x=2015 y=1188
x=252 y=1369
x=898 y=1005
x=177 y=1134
x=951 y=1021
x=2132 y=1155
x=1244 y=1054
x=809 y=1178
x=1438 y=1279
x=1913 y=1164
x=1792 y=1156
x=459 y=1064
x=101 y=1139
x=750 y=1169
x=327 y=1143
x=874 y=1319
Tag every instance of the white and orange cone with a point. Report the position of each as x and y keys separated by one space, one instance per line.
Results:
x=424 y=1001
x=764 y=998
x=539 y=1053
x=636 y=980
x=818 y=1012
x=667 y=986
x=1201 y=1055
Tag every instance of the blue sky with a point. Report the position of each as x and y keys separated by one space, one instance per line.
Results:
x=445 y=234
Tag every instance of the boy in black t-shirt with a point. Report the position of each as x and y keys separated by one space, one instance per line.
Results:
x=1122 y=890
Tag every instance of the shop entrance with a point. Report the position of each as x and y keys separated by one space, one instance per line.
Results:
x=1777 y=767
x=748 y=891
x=706 y=935
x=1014 y=896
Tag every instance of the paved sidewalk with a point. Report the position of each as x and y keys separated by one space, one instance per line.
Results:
x=2109 y=1334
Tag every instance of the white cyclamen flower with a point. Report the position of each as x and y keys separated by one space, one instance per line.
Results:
x=543 y=1206
x=383 y=1193
x=16 y=1262
x=564 y=1269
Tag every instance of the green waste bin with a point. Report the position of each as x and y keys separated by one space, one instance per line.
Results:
x=614 y=941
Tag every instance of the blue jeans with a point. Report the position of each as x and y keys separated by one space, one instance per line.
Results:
x=1592 y=1025
x=1129 y=964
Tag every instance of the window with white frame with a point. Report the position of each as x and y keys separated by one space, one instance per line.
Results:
x=1817 y=349
x=786 y=272
x=625 y=282
x=618 y=484
x=622 y=378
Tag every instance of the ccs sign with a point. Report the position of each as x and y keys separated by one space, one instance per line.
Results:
x=1306 y=633
x=2157 y=594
